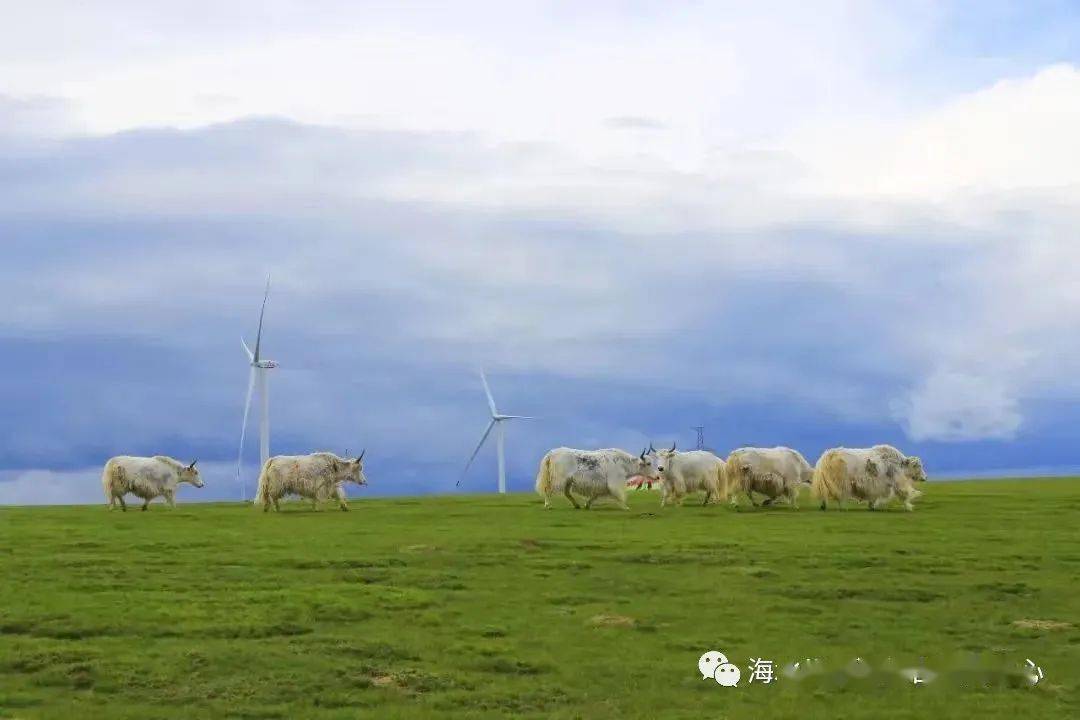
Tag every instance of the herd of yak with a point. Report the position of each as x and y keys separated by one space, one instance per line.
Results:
x=875 y=475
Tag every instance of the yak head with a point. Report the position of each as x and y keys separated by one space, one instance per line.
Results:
x=190 y=474
x=661 y=458
x=913 y=468
x=346 y=470
x=645 y=465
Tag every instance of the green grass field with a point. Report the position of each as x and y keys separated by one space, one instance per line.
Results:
x=486 y=606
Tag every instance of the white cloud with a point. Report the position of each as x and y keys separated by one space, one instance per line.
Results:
x=1012 y=137
x=533 y=72
x=48 y=487
x=953 y=406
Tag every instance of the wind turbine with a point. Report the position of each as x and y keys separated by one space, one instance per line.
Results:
x=497 y=420
x=259 y=374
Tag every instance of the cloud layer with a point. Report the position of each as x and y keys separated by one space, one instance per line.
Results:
x=808 y=253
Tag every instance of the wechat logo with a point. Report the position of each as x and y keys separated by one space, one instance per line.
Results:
x=715 y=665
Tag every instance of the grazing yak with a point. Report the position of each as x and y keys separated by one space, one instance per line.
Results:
x=688 y=472
x=875 y=475
x=147 y=478
x=772 y=472
x=591 y=473
x=317 y=476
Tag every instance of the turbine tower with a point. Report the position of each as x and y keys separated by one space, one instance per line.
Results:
x=258 y=375
x=497 y=420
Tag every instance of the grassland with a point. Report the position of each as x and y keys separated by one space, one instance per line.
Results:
x=491 y=607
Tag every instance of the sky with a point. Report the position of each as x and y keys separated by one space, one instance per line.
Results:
x=841 y=224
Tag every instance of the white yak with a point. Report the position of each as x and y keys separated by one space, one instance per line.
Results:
x=875 y=475
x=688 y=472
x=773 y=472
x=317 y=477
x=147 y=478
x=591 y=473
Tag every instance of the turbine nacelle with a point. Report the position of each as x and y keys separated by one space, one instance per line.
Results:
x=265 y=364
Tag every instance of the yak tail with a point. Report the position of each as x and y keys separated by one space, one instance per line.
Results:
x=725 y=486
x=262 y=494
x=732 y=477
x=830 y=477
x=111 y=478
x=543 y=478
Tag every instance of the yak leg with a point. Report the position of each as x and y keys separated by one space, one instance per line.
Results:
x=169 y=498
x=123 y=505
x=750 y=494
x=589 y=502
x=566 y=492
x=277 y=507
x=339 y=493
x=909 y=496
x=146 y=505
x=767 y=502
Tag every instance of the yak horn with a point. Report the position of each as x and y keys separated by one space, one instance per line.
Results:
x=192 y=465
x=361 y=457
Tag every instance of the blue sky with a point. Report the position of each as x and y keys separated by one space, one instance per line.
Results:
x=840 y=225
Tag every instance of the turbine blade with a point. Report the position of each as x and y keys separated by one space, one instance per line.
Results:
x=258 y=338
x=516 y=417
x=243 y=425
x=487 y=391
x=477 y=450
x=251 y=355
